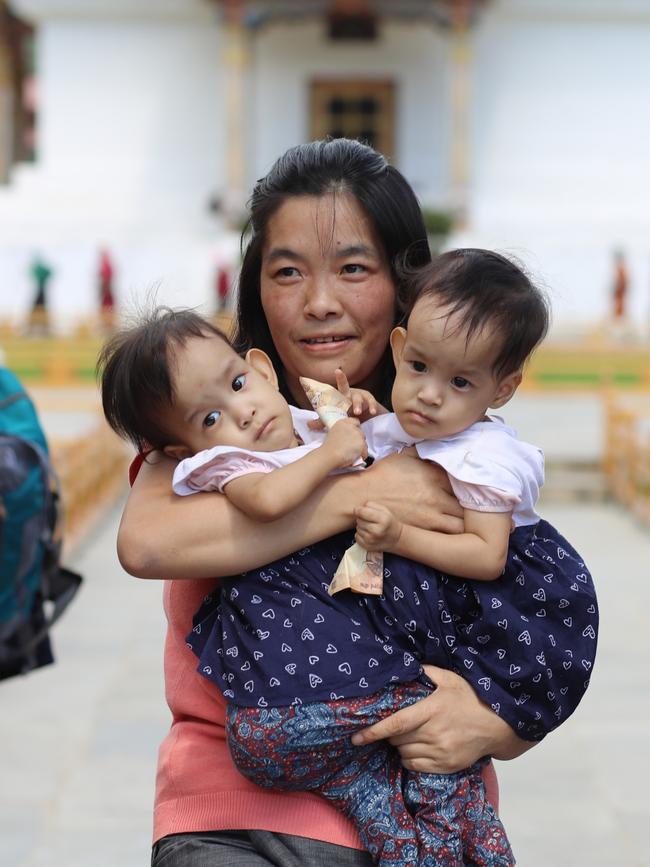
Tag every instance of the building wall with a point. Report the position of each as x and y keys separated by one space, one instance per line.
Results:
x=131 y=141
x=561 y=145
x=414 y=56
x=134 y=108
x=132 y=134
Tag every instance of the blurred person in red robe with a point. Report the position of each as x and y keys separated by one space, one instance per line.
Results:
x=106 y=296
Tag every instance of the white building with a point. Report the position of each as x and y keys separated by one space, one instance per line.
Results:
x=528 y=118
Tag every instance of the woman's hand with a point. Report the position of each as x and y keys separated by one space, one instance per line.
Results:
x=447 y=731
x=416 y=492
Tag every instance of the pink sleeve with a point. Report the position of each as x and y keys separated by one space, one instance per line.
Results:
x=215 y=475
x=483 y=498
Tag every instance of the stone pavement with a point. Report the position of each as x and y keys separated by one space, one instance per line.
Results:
x=579 y=799
x=78 y=739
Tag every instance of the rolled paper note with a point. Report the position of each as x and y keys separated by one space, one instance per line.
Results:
x=360 y=571
x=326 y=400
x=328 y=403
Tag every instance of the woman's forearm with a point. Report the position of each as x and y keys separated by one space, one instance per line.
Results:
x=507 y=745
x=163 y=535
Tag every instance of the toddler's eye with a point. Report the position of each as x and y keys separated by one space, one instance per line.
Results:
x=460 y=382
x=211 y=418
x=418 y=366
x=238 y=382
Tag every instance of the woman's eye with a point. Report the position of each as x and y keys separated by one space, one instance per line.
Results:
x=289 y=271
x=460 y=382
x=354 y=268
x=418 y=366
x=238 y=382
x=211 y=418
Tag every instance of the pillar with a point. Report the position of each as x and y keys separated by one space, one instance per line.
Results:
x=460 y=107
x=236 y=59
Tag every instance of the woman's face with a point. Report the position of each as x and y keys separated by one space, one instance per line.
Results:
x=327 y=291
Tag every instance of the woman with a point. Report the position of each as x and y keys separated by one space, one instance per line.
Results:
x=317 y=292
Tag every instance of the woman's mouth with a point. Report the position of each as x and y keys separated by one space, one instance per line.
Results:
x=329 y=343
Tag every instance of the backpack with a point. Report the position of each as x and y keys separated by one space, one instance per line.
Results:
x=34 y=588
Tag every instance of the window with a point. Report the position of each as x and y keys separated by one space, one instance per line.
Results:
x=362 y=110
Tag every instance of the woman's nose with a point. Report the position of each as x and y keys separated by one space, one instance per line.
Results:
x=322 y=299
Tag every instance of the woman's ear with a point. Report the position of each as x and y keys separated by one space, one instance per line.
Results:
x=397 y=341
x=259 y=361
x=179 y=453
x=506 y=388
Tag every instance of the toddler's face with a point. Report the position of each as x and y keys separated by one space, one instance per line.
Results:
x=222 y=399
x=444 y=382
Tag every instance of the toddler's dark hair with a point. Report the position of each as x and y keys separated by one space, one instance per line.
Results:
x=134 y=371
x=486 y=288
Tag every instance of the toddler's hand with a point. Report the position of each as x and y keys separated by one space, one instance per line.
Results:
x=364 y=405
x=346 y=443
x=377 y=528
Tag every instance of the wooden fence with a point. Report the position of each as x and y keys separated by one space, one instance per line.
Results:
x=627 y=451
x=62 y=360
x=92 y=470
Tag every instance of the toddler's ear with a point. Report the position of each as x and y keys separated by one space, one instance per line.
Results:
x=179 y=453
x=259 y=361
x=506 y=388
x=397 y=341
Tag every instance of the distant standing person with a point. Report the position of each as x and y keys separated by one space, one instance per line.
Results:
x=106 y=297
x=621 y=283
x=41 y=274
x=223 y=287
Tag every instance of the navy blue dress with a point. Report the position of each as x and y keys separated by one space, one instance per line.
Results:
x=526 y=642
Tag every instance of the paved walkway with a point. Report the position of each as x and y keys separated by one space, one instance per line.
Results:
x=78 y=739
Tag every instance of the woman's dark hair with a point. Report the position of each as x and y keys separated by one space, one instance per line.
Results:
x=315 y=169
x=134 y=371
x=486 y=288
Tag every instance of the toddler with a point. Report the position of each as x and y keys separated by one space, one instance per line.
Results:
x=522 y=630
x=174 y=383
